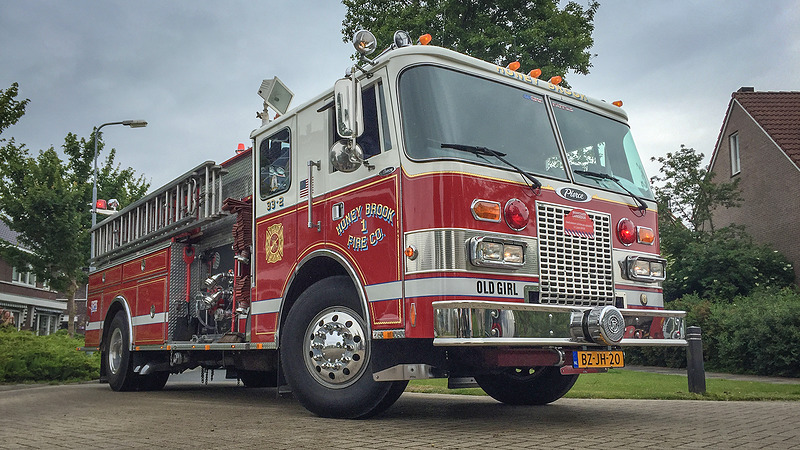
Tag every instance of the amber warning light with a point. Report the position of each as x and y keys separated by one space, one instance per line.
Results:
x=486 y=210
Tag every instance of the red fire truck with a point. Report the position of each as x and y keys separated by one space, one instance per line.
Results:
x=432 y=215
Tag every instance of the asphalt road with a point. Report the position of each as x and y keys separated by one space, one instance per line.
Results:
x=221 y=414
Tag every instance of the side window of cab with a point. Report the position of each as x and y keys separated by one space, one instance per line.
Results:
x=375 y=137
x=274 y=166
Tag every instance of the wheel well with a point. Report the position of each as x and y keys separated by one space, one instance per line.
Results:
x=112 y=311
x=313 y=270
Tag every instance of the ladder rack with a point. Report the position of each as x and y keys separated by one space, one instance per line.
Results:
x=186 y=203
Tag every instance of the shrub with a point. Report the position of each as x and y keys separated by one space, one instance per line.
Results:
x=721 y=265
x=756 y=334
x=698 y=311
x=25 y=357
x=759 y=334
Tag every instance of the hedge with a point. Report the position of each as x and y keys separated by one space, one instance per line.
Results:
x=25 y=357
x=757 y=334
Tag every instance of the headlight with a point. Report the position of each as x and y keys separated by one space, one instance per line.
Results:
x=496 y=253
x=657 y=269
x=513 y=254
x=645 y=269
x=490 y=251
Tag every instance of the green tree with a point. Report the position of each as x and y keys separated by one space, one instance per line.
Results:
x=11 y=109
x=702 y=259
x=688 y=190
x=47 y=201
x=537 y=33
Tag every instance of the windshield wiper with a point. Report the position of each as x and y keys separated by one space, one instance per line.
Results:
x=483 y=151
x=605 y=176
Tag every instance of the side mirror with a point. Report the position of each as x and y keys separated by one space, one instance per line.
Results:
x=349 y=115
x=346 y=158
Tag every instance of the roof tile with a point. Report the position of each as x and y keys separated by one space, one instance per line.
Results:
x=9 y=235
x=778 y=113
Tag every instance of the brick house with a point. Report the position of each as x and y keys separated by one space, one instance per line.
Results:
x=759 y=143
x=31 y=303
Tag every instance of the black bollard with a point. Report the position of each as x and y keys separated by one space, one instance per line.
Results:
x=695 y=371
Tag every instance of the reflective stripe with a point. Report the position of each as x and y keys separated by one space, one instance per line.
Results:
x=272 y=305
x=147 y=320
x=384 y=291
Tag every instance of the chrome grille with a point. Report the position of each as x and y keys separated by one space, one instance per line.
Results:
x=574 y=270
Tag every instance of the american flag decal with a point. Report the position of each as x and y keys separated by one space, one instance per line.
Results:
x=304 y=188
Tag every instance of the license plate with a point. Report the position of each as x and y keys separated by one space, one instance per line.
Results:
x=597 y=359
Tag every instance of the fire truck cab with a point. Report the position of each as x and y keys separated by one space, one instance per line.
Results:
x=433 y=215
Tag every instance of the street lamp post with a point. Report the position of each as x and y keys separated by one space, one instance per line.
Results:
x=127 y=123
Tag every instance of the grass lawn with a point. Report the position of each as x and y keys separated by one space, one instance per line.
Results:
x=642 y=385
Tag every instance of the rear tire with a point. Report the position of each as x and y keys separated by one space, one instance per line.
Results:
x=527 y=385
x=325 y=352
x=153 y=382
x=117 y=355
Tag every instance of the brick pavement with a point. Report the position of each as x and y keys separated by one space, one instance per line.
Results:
x=191 y=416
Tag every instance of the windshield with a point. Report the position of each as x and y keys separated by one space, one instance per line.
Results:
x=442 y=106
x=598 y=144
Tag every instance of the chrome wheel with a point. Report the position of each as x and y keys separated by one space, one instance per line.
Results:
x=326 y=352
x=336 y=347
x=115 y=351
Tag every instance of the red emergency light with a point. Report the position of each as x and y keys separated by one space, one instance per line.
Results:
x=626 y=231
x=516 y=214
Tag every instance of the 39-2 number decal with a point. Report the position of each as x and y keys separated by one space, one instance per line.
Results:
x=274 y=203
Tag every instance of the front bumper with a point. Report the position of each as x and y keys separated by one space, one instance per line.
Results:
x=483 y=323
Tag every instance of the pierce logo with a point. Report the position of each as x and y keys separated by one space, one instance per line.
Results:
x=573 y=194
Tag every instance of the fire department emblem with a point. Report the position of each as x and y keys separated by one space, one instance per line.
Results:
x=274 y=243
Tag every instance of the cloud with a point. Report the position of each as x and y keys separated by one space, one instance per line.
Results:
x=192 y=69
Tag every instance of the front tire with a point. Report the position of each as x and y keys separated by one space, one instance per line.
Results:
x=325 y=352
x=257 y=378
x=527 y=385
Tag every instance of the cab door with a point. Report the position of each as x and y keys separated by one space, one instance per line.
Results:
x=361 y=215
x=275 y=200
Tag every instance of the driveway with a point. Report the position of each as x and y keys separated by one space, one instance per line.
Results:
x=221 y=414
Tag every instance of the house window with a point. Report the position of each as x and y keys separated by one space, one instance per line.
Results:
x=734 y=144
x=9 y=318
x=46 y=323
x=23 y=277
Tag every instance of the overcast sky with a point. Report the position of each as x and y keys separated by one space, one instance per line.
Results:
x=192 y=69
